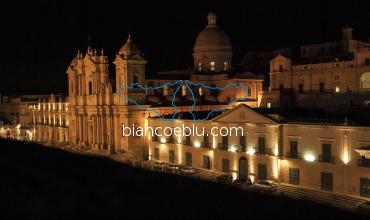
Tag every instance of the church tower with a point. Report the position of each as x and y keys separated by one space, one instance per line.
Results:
x=130 y=73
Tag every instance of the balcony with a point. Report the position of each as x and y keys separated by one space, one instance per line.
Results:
x=222 y=146
x=155 y=139
x=363 y=162
x=170 y=140
x=293 y=155
x=206 y=145
x=327 y=159
x=264 y=151
x=187 y=143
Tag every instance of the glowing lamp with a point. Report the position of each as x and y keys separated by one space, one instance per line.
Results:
x=251 y=151
x=309 y=157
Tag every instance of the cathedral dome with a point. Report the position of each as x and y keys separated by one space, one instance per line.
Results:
x=212 y=38
x=129 y=50
x=212 y=49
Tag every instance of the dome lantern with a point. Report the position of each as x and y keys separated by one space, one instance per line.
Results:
x=212 y=20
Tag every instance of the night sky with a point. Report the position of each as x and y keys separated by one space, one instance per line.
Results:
x=40 y=38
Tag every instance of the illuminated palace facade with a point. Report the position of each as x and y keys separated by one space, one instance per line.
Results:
x=326 y=75
x=329 y=156
x=323 y=155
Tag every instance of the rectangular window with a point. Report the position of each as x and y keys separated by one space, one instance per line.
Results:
x=243 y=143
x=206 y=162
x=326 y=153
x=171 y=156
x=300 y=88
x=187 y=138
x=189 y=159
x=225 y=142
x=249 y=91
x=327 y=181
x=294 y=176
x=170 y=139
x=281 y=87
x=322 y=87
x=206 y=140
x=156 y=153
x=90 y=88
x=261 y=145
x=293 y=153
x=262 y=171
x=225 y=165
x=281 y=68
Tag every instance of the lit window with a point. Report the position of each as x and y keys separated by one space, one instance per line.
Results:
x=165 y=90
x=213 y=65
x=200 y=66
x=226 y=65
x=269 y=105
x=249 y=91
x=200 y=91
x=337 y=89
x=183 y=90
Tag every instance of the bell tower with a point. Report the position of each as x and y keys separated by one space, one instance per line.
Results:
x=130 y=73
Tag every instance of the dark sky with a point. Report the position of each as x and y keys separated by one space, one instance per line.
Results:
x=40 y=38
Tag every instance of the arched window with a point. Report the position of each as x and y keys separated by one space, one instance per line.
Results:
x=183 y=91
x=135 y=81
x=200 y=66
x=213 y=65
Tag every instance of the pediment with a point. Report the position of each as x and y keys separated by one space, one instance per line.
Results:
x=243 y=114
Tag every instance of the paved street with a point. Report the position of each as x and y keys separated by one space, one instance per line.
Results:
x=292 y=191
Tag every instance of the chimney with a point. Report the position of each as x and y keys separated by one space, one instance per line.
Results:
x=347 y=33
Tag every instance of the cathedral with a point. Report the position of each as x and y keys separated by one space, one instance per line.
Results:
x=98 y=109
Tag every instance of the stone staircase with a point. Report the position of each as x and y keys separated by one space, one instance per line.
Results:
x=336 y=200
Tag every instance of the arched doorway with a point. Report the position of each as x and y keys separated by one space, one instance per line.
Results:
x=365 y=81
x=243 y=168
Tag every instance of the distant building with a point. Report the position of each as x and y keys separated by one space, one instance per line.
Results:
x=51 y=120
x=327 y=75
x=258 y=61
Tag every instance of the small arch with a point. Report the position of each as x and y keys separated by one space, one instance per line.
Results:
x=365 y=81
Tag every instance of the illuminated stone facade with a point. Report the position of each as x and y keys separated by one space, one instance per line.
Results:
x=328 y=74
x=98 y=108
x=51 y=120
x=321 y=156
x=327 y=156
